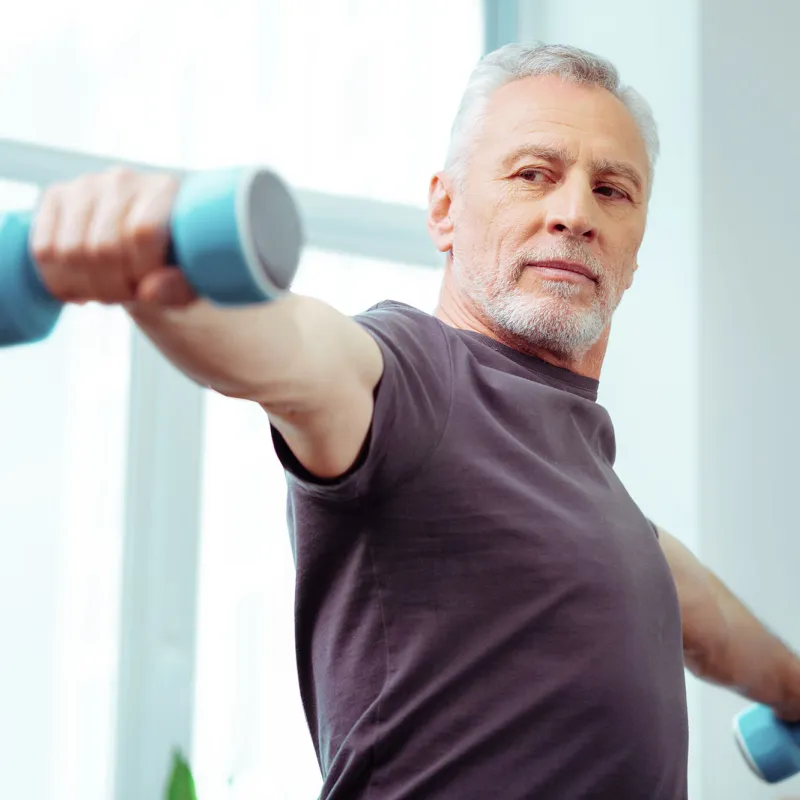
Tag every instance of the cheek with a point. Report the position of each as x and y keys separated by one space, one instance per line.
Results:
x=484 y=217
x=479 y=240
x=626 y=256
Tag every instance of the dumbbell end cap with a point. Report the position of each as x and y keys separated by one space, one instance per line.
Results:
x=766 y=743
x=23 y=332
x=237 y=235
x=270 y=230
x=743 y=749
x=28 y=312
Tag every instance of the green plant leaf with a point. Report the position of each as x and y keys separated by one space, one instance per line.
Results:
x=181 y=783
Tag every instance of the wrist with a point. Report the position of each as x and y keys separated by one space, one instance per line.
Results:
x=788 y=705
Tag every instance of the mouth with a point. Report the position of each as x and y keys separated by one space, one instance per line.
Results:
x=564 y=270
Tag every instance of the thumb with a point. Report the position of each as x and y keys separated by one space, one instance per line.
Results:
x=165 y=287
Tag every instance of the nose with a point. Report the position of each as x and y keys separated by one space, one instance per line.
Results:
x=571 y=211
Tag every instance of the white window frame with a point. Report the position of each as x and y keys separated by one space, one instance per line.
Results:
x=154 y=711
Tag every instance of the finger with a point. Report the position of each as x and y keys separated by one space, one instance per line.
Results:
x=70 y=256
x=146 y=228
x=63 y=268
x=166 y=287
x=44 y=242
x=111 y=275
x=44 y=226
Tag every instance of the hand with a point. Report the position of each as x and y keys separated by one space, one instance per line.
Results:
x=104 y=238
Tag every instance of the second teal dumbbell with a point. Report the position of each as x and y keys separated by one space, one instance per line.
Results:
x=770 y=746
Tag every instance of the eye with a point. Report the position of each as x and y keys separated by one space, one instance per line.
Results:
x=533 y=175
x=611 y=192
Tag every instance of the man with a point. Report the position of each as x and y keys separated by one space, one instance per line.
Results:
x=482 y=610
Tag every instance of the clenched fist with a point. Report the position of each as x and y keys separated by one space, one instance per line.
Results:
x=104 y=238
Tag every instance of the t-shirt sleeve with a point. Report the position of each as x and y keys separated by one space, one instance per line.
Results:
x=412 y=404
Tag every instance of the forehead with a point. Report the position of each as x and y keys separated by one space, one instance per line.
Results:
x=586 y=120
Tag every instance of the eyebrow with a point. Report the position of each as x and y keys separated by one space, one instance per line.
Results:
x=600 y=166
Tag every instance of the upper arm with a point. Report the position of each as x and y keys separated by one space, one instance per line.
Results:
x=697 y=596
x=690 y=576
x=325 y=419
x=379 y=425
x=687 y=571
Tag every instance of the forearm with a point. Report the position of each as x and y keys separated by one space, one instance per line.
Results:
x=278 y=354
x=751 y=660
x=724 y=642
x=104 y=238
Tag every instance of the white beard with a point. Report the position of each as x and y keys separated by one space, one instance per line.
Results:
x=551 y=319
x=552 y=323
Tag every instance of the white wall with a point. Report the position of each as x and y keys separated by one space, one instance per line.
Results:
x=750 y=284
x=700 y=376
x=650 y=381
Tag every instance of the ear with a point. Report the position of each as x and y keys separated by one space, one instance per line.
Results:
x=440 y=202
x=633 y=272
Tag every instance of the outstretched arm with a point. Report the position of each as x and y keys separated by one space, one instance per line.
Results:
x=724 y=643
x=103 y=238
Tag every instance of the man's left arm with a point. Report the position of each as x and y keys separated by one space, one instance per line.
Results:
x=724 y=643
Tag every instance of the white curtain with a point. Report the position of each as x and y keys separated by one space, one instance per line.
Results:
x=348 y=97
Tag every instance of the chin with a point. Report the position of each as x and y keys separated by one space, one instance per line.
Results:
x=564 y=326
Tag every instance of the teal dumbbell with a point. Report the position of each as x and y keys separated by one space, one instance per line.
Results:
x=770 y=746
x=235 y=234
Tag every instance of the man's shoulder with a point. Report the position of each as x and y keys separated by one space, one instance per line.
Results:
x=403 y=324
x=414 y=343
x=389 y=310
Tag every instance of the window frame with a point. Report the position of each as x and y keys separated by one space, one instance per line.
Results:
x=161 y=547
x=161 y=536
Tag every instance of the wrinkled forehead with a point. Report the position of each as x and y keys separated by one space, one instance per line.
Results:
x=587 y=121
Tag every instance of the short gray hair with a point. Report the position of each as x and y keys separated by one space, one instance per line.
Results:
x=515 y=61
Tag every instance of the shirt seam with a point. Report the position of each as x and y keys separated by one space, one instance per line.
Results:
x=360 y=496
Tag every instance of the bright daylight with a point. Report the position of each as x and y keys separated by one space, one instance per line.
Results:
x=397 y=400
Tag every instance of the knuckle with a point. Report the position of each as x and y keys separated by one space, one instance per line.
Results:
x=79 y=187
x=119 y=176
x=166 y=182
x=53 y=194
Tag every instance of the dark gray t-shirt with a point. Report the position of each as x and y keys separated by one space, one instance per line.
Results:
x=482 y=611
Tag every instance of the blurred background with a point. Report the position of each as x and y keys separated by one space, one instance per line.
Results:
x=146 y=578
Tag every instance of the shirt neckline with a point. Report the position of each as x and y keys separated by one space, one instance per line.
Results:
x=584 y=385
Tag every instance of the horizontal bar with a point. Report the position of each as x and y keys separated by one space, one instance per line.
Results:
x=355 y=225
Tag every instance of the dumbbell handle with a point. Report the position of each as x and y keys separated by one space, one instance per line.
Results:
x=235 y=234
x=770 y=746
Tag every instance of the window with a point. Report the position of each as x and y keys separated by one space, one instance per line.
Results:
x=250 y=735
x=349 y=99
x=63 y=432
x=249 y=726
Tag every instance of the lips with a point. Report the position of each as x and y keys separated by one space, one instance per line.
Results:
x=565 y=266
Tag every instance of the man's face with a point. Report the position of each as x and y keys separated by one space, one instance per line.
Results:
x=556 y=185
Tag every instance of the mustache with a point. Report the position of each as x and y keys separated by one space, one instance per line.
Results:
x=564 y=251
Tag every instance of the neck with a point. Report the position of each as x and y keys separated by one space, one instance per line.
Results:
x=453 y=310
